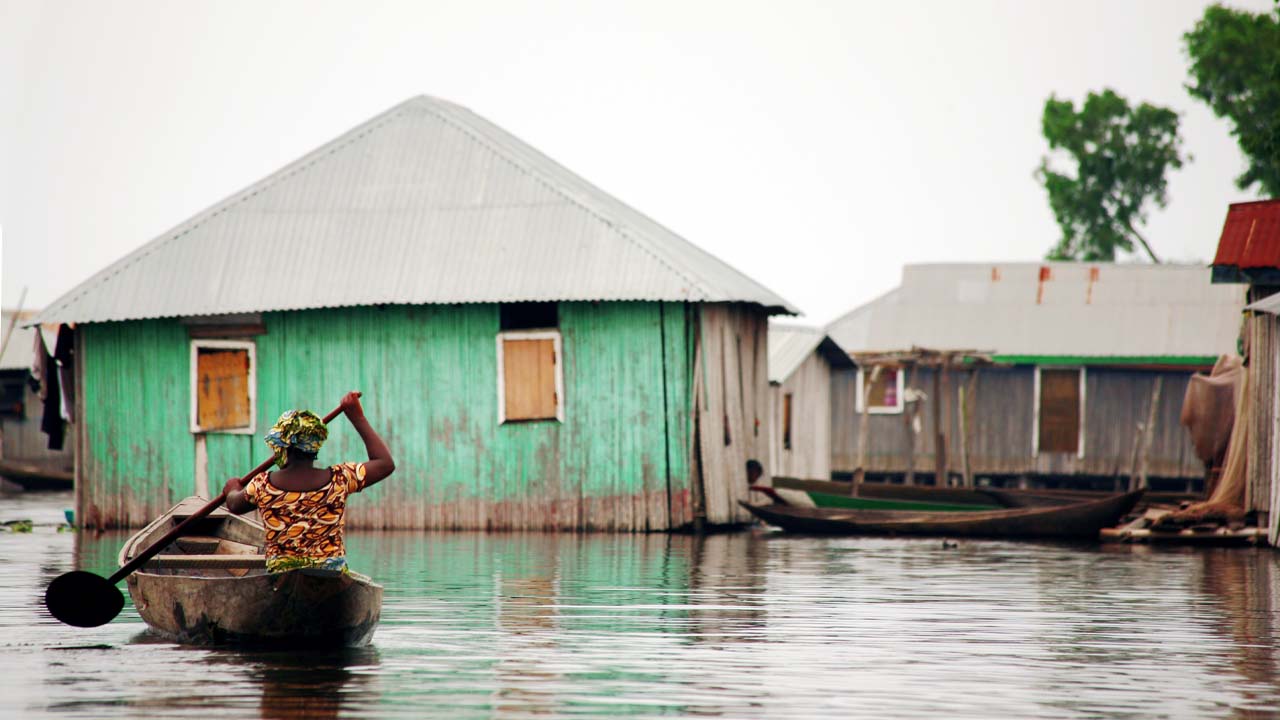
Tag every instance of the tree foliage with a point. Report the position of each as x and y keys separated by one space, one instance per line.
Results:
x=1235 y=69
x=1121 y=155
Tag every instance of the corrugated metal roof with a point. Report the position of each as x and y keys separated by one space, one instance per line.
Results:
x=791 y=345
x=1250 y=236
x=1050 y=309
x=1269 y=305
x=426 y=203
x=19 y=354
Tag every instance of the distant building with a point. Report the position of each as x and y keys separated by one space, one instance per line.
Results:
x=801 y=363
x=1249 y=253
x=537 y=353
x=1078 y=350
x=21 y=408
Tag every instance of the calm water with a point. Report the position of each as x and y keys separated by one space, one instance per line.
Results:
x=739 y=626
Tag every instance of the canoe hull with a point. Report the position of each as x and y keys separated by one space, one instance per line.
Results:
x=300 y=607
x=211 y=586
x=1074 y=521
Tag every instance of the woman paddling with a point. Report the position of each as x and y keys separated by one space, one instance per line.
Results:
x=303 y=506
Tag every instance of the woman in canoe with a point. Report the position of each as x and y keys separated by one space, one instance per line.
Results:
x=303 y=506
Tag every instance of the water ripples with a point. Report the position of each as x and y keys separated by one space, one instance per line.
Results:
x=745 y=625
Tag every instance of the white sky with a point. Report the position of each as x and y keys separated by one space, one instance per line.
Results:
x=815 y=146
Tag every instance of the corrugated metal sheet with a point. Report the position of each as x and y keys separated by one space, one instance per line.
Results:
x=1250 y=236
x=620 y=460
x=791 y=345
x=19 y=354
x=426 y=203
x=1001 y=440
x=1269 y=305
x=1050 y=309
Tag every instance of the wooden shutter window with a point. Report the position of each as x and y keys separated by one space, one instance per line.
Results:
x=222 y=389
x=529 y=379
x=1059 y=411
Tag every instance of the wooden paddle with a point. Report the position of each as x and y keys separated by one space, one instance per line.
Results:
x=83 y=599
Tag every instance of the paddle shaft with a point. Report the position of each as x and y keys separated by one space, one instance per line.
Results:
x=170 y=536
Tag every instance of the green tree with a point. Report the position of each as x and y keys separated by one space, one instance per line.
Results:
x=1235 y=69
x=1121 y=155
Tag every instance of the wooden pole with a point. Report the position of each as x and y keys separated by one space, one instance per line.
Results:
x=1149 y=431
x=968 y=398
x=941 y=419
x=860 y=474
x=910 y=411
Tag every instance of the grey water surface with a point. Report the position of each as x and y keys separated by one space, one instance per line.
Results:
x=745 y=625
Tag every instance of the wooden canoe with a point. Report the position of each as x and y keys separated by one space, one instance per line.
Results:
x=1074 y=520
x=1007 y=497
x=211 y=586
x=35 y=476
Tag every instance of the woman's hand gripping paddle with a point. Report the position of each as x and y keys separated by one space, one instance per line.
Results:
x=83 y=599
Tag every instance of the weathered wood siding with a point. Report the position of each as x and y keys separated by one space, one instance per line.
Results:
x=1267 y=409
x=620 y=460
x=733 y=405
x=809 y=456
x=1002 y=443
x=23 y=439
x=1264 y=391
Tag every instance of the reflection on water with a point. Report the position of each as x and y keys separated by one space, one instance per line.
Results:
x=744 y=625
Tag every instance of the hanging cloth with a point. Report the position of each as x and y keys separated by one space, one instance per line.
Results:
x=64 y=354
x=50 y=393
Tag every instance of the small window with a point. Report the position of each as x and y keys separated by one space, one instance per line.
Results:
x=786 y=421
x=222 y=386
x=528 y=316
x=886 y=390
x=1059 y=413
x=530 y=379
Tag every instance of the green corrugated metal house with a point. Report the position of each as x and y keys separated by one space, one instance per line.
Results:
x=536 y=353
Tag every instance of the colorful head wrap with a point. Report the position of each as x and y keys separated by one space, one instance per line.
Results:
x=301 y=430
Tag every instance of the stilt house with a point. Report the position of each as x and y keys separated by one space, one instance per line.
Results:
x=1091 y=361
x=537 y=353
x=1249 y=254
x=25 y=449
x=801 y=363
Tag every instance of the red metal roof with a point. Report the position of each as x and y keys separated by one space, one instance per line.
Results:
x=1250 y=236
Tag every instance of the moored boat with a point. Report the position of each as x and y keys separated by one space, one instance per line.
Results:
x=211 y=586
x=36 y=476
x=1082 y=519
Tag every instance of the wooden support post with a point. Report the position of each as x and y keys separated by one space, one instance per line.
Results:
x=1149 y=431
x=941 y=420
x=860 y=474
x=910 y=411
x=968 y=398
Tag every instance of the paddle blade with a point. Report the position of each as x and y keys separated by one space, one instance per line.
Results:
x=83 y=599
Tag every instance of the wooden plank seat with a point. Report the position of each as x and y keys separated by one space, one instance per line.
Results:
x=223 y=562
x=198 y=544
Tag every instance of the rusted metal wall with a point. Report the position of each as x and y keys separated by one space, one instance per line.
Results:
x=809 y=456
x=733 y=405
x=620 y=460
x=1001 y=441
x=137 y=454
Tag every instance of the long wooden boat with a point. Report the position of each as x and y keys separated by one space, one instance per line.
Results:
x=873 y=495
x=211 y=586
x=1072 y=520
x=35 y=476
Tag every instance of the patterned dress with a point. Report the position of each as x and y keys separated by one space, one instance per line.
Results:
x=304 y=528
